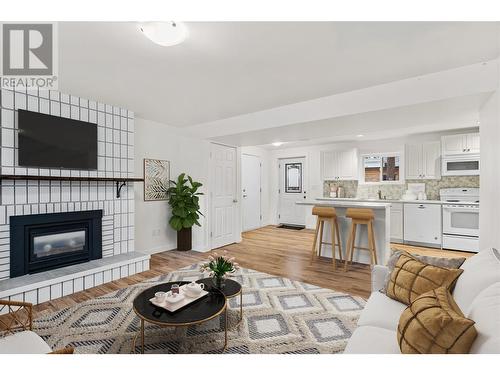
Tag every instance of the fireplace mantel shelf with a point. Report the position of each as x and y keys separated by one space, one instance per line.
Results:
x=120 y=181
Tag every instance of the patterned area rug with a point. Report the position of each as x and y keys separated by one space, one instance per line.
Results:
x=279 y=316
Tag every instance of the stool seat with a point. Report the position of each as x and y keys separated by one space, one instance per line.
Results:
x=326 y=214
x=324 y=211
x=360 y=216
x=360 y=213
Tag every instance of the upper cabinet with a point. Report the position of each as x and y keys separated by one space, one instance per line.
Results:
x=339 y=165
x=460 y=144
x=423 y=160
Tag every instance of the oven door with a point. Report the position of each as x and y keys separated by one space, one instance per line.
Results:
x=461 y=220
x=461 y=165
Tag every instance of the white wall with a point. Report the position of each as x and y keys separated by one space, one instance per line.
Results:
x=489 y=214
x=159 y=141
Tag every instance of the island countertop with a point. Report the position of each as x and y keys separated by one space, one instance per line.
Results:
x=345 y=203
x=381 y=226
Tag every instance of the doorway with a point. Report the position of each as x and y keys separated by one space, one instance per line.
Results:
x=251 y=190
x=224 y=202
x=292 y=172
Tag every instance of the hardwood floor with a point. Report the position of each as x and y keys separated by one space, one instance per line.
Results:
x=272 y=250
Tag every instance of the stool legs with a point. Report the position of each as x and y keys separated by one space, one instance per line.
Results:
x=320 y=225
x=313 y=253
x=371 y=243
x=332 y=223
x=338 y=238
x=352 y=242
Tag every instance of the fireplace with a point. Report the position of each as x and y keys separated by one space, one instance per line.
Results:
x=47 y=241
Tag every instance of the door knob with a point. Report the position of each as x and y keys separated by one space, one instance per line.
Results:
x=244 y=196
x=235 y=200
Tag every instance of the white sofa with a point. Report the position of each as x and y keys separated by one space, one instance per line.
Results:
x=477 y=293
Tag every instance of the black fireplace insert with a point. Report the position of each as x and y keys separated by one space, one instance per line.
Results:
x=47 y=241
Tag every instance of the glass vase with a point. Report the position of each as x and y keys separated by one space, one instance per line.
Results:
x=219 y=281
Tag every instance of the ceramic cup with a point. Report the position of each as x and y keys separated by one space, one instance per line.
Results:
x=160 y=296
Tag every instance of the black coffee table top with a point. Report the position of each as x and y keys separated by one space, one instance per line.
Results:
x=230 y=289
x=199 y=311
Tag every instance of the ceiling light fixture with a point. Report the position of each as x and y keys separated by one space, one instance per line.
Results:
x=277 y=144
x=165 y=33
x=360 y=135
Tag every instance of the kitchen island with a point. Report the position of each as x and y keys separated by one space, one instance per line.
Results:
x=381 y=227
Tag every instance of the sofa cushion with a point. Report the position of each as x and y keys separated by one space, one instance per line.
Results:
x=453 y=263
x=485 y=311
x=434 y=324
x=372 y=340
x=480 y=271
x=25 y=342
x=381 y=311
x=411 y=278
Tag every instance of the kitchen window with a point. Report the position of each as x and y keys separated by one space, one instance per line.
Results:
x=381 y=168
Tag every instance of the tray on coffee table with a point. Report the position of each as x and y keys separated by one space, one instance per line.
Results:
x=187 y=300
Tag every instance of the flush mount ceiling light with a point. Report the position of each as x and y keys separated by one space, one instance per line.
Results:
x=164 y=33
x=360 y=135
x=277 y=144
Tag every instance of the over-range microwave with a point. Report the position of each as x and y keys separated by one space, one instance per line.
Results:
x=460 y=165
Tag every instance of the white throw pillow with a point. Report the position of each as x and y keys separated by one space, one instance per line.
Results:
x=480 y=271
x=485 y=311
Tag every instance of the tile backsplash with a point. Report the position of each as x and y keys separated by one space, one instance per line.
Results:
x=354 y=190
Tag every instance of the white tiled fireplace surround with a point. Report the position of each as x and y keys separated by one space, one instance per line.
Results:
x=115 y=159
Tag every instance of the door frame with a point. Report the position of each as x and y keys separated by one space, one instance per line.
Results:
x=305 y=182
x=260 y=193
x=211 y=209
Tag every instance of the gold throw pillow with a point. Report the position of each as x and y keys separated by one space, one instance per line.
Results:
x=434 y=324
x=411 y=278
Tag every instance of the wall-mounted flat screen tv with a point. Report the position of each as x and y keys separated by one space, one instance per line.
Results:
x=56 y=142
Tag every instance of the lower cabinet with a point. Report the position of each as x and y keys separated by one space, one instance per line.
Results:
x=422 y=223
x=397 y=222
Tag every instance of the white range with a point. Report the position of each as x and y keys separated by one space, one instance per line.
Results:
x=460 y=218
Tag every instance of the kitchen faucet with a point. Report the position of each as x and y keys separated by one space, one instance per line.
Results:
x=379 y=194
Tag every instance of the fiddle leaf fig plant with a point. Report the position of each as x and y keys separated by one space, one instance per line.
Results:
x=184 y=200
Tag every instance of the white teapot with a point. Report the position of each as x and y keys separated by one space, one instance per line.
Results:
x=195 y=288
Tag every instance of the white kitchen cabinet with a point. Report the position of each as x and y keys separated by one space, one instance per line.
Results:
x=397 y=222
x=339 y=165
x=423 y=160
x=422 y=224
x=460 y=144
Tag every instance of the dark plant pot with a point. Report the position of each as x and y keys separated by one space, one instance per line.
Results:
x=184 y=237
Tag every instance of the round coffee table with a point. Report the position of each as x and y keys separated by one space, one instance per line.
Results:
x=202 y=310
x=230 y=289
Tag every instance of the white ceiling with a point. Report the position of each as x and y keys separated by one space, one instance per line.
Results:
x=442 y=115
x=227 y=69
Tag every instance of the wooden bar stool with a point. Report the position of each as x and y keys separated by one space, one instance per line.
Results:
x=360 y=216
x=326 y=214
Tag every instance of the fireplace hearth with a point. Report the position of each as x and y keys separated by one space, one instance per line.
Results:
x=48 y=241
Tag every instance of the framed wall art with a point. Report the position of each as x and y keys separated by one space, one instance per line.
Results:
x=156 y=179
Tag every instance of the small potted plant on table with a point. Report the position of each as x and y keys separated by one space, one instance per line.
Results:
x=219 y=266
x=184 y=200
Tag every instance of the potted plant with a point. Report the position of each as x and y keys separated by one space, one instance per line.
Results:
x=183 y=198
x=219 y=266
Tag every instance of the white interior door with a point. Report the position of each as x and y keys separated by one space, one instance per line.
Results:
x=292 y=189
x=224 y=197
x=251 y=191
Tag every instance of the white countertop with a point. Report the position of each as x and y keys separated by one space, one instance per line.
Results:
x=345 y=203
x=386 y=200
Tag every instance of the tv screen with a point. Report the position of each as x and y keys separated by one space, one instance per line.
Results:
x=56 y=142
